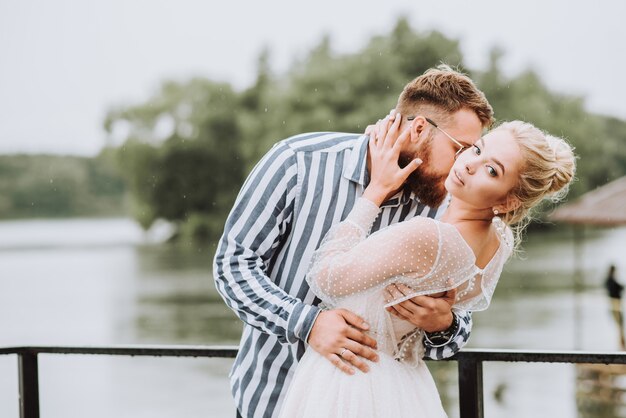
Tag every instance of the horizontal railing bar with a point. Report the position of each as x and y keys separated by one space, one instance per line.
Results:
x=539 y=356
x=143 y=350
x=470 y=365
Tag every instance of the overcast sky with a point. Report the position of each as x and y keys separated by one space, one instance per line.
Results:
x=63 y=63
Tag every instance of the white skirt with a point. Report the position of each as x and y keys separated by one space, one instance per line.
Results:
x=389 y=389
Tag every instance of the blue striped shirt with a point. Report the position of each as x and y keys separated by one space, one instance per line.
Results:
x=301 y=187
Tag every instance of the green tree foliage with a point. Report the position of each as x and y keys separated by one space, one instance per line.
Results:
x=189 y=147
x=182 y=157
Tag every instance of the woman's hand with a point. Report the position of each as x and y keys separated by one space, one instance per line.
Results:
x=386 y=142
x=431 y=313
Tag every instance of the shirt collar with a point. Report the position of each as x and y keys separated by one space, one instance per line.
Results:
x=356 y=171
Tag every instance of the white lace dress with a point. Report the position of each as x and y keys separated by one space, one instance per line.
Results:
x=350 y=271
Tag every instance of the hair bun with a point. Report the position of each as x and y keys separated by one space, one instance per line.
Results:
x=564 y=166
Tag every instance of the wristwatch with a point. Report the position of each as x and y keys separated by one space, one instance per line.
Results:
x=441 y=338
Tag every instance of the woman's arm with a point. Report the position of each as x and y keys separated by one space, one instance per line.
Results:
x=348 y=261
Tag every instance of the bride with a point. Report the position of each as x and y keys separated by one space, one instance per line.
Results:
x=492 y=185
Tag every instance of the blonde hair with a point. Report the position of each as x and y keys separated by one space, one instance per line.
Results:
x=442 y=91
x=549 y=165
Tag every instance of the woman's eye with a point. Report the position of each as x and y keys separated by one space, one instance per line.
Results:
x=477 y=150
x=492 y=171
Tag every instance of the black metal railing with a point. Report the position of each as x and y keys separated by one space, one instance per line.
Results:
x=470 y=366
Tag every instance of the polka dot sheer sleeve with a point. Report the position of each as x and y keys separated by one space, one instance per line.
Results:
x=424 y=254
x=349 y=262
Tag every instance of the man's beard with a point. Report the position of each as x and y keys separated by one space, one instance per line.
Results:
x=427 y=186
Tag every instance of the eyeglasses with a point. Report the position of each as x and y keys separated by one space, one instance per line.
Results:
x=456 y=142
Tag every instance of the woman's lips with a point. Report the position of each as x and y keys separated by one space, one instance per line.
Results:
x=460 y=180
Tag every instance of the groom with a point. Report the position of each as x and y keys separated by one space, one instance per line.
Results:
x=301 y=187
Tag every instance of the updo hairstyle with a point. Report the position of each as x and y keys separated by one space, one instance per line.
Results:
x=548 y=167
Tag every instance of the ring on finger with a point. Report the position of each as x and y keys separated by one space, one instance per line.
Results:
x=343 y=350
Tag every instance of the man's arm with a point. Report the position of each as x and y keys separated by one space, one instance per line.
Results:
x=254 y=229
x=448 y=342
x=447 y=330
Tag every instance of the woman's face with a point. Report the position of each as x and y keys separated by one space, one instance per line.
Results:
x=484 y=174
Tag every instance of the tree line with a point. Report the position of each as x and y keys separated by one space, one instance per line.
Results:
x=52 y=186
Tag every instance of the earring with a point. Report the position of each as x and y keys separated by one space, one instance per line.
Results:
x=500 y=227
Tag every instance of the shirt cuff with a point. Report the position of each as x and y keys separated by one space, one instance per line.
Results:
x=443 y=338
x=301 y=322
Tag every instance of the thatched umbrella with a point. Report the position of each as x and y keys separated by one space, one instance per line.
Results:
x=604 y=206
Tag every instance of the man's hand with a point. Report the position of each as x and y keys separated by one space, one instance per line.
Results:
x=430 y=313
x=338 y=335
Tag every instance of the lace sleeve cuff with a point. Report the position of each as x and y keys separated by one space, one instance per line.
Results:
x=363 y=214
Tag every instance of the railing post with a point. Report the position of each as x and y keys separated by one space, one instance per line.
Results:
x=471 y=388
x=29 y=385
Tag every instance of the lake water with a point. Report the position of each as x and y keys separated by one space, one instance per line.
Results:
x=104 y=282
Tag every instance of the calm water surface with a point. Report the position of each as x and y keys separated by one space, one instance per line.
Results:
x=102 y=282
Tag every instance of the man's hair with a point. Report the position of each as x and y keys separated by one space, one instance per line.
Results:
x=442 y=91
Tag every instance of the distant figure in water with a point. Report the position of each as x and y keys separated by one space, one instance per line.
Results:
x=615 y=290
